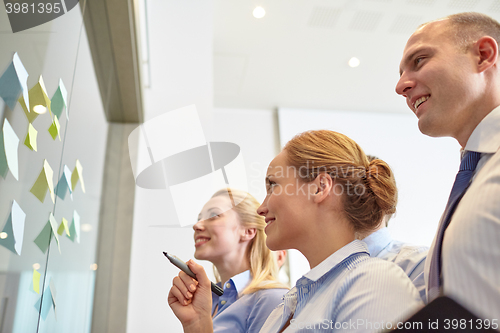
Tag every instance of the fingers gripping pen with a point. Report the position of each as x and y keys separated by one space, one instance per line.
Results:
x=183 y=267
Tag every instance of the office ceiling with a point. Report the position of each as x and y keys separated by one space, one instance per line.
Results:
x=297 y=54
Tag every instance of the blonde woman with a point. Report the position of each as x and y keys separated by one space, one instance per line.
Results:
x=321 y=193
x=233 y=239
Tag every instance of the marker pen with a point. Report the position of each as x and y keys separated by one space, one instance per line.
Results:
x=183 y=267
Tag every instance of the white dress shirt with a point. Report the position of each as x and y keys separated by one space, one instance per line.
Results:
x=347 y=292
x=471 y=243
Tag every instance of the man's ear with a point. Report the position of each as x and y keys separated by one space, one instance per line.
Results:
x=248 y=234
x=486 y=48
x=323 y=187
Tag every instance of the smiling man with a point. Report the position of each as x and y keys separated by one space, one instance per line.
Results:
x=450 y=78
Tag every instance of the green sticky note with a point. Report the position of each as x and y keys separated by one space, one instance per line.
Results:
x=63 y=226
x=58 y=101
x=75 y=228
x=77 y=175
x=43 y=238
x=43 y=183
x=30 y=141
x=36 y=281
x=55 y=128
x=53 y=224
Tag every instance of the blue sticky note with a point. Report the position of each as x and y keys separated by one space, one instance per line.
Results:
x=47 y=303
x=64 y=184
x=13 y=82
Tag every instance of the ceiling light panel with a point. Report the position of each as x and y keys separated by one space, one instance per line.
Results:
x=405 y=24
x=421 y=2
x=495 y=6
x=463 y=4
x=364 y=20
x=324 y=17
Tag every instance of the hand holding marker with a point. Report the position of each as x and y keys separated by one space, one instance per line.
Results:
x=183 y=267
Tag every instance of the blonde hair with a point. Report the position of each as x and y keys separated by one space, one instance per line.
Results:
x=263 y=266
x=343 y=159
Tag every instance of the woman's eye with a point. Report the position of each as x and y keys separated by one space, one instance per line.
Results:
x=213 y=215
x=270 y=185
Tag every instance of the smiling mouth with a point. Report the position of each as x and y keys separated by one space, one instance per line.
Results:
x=419 y=101
x=200 y=241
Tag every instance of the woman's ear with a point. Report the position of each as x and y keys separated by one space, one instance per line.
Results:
x=324 y=186
x=248 y=234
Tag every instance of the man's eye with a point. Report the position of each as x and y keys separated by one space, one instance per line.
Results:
x=418 y=60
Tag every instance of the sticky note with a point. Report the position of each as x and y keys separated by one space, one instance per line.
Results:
x=38 y=96
x=77 y=175
x=10 y=147
x=30 y=115
x=14 y=228
x=43 y=238
x=75 y=228
x=64 y=184
x=53 y=225
x=43 y=183
x=55 y=128
x=30 y=140
x=4 y=167
x=13 y=82
x=63 y=226
x=36 y=281
x=59 y=101
x=45 y=303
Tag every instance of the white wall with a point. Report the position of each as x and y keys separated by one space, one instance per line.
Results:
x=181 y=53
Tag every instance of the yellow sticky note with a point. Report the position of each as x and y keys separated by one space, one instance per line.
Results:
x=36 y=281
x=54 y=129
x=77 y=175
x=44 y=183
x=30 y=115
x=63 y=227
x=38 y=96
x=30 y=141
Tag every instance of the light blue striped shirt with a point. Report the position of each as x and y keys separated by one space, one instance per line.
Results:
x=243 y=313
x=347 y=292
x=410 y=258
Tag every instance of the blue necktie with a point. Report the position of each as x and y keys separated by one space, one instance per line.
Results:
x=462 y=181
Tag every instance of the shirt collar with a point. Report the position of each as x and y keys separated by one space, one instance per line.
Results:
x=336 y=258
x=486 y=136
x=240 y=281
x=377 y=241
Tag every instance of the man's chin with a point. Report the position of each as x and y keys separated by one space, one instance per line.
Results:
x=429 y=128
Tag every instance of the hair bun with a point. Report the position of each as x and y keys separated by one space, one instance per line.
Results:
x=383 y=185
